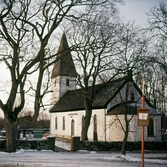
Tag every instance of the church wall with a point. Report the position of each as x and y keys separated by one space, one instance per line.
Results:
x=101 y=136
x=113 y=129
x=55 y=87
x=77 y=117
x=115 y=133
x=66 y=132
x=157 y=129
x=60 y=85
x=65 y=86
x=137 y=132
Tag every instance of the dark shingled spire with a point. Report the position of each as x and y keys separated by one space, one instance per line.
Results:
x=64 y=64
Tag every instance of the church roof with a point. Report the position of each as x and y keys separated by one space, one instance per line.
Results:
x=73 y=100
x=64 y=64
x=131 y=109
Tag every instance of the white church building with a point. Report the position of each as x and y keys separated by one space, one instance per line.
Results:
x=109 y=105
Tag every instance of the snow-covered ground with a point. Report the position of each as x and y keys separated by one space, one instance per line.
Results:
x=81 y=158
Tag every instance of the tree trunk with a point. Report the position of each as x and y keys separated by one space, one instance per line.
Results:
x=123 y=151
x=88 y=114
x=10 y=135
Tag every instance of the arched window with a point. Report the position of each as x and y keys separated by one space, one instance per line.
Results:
x=82 y=121
x=150 y=128
x=67 y=82
x=63 y=122
x=55 y=122
x=95 y=123
x=72 y=127
x=55 y=83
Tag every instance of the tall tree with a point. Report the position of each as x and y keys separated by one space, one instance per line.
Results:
x=128 y=113
x=94 y=38
x=157 y=19
x=157 y=28
x=132 y=48
x=26 y=30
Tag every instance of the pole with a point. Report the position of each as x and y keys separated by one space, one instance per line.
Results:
x=142 y=147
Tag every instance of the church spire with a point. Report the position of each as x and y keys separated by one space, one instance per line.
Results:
x=64 y=65
x=64 y=74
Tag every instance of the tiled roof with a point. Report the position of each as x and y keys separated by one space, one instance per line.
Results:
x=74 y=100
x=64 y=64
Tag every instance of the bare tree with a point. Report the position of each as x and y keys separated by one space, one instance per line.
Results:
x=128 y=113
x=157 y=28
x=93 y=37
x=26 y=28
x=132 y=49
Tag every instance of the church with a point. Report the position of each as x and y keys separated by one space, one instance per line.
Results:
x=111 y=101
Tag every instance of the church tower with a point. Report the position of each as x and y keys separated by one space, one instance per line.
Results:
x=64 y=73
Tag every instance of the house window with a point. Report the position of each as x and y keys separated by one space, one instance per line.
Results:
x=56 y=123
x=95 y=123
x=63 y=122
x=150 y=128
x=67 y=82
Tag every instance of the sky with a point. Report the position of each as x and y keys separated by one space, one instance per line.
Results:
x=131 y=10
x=136 y=10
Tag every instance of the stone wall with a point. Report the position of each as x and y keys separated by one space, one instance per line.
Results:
x=39 y=144
x=116 y=146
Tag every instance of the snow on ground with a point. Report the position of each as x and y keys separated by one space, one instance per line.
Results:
x=65 y=145
x=81 y=158
x=132 y=159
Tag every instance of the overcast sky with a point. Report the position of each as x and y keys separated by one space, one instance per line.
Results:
x=137 y=9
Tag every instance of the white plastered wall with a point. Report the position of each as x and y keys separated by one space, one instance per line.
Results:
x=69 y=116
x=77 y=117
x=59 y=87
x=114 y=131
x=101 y=135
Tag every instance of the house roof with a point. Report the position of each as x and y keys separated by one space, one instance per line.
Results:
x=64 y=64
x=131 y=109
x=74 y=100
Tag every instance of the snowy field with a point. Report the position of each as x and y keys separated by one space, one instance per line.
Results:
x=81 y=158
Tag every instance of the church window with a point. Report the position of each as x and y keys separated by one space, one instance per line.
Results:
x=55 y=83
x=63 y=122
x=67 y=82
x=82 y=121
x=95 y=123
x=150 y=128
x=72 y=127
x=56 y=123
